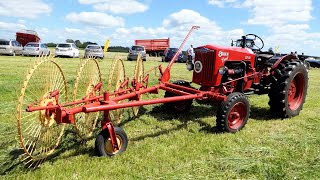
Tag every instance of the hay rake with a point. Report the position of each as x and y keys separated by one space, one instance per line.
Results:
x=44 y=110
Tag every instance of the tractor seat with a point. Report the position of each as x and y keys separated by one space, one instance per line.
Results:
x=262 y=58
x=265 y=55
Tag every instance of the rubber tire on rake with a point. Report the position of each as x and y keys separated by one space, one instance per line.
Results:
x=233 y=113
x=103 y=146
x=288 y=89
x=138 y=75
x=116 y=78
x=38 y=133
x=88 y=76
x=179 y=106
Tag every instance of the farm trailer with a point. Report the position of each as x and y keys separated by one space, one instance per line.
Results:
x=154 y=47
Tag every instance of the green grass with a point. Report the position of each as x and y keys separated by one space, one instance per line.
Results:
x=163 y=145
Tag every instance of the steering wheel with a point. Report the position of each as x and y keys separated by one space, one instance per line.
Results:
x=255 y=37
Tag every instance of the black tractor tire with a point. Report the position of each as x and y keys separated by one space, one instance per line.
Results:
x=288 y=89
x=179 y=106
x=233 y=113
x=104 y=149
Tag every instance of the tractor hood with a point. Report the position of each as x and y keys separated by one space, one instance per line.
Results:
x=236 y=51
x=209 y=58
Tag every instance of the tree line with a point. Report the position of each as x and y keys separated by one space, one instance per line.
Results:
x=83 y=45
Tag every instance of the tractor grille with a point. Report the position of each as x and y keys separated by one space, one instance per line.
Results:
x=205 y=76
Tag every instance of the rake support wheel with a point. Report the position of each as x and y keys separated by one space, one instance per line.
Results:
x=38 y=132
x=103 y=146
x=138 y=76
x=88 y=76
x=116 y=78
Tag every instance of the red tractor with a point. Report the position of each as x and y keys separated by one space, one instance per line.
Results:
x=225 y=75
x=245 y=69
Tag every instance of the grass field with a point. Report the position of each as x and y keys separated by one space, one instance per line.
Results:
x=163 y=145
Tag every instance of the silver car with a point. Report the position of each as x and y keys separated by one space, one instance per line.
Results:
x=35 y=49
x=134 y=51
x=93 y=51
x=10 y=47
x=67 y=49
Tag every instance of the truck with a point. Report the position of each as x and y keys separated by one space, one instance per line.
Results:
x=154 y=47
x=24 y=36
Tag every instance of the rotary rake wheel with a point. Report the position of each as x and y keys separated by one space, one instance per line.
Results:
x=38 y=132
x=138 y=76
x=116 y=78
x=88 y=77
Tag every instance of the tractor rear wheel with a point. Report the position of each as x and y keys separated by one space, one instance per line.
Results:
x=288 y=89
x=103 y=145
x=233 y=113
x=179 y=106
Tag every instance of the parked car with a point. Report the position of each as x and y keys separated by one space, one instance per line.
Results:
x=134 y=51
x=10 y=47
x=313 y=62
x=35 y=49
x=94 y=51
x=170 y=52
x=67 y=49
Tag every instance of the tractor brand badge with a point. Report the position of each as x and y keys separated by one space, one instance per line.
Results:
x=198 y=66
x=203 y=50
x=223 y=55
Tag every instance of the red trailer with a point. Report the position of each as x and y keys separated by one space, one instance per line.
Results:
x=154 y=47
x=25 y=36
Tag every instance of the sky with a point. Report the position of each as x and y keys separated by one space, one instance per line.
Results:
x=291 y=25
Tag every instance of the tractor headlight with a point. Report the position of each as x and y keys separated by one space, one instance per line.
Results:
x=198 y=66
x=223 y=70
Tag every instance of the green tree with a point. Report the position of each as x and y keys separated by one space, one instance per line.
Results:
x=69 y=41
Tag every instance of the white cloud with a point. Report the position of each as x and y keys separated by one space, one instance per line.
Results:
x=271 y=12
x=117 y=7
x=74 y=30
x=277 y=12
x=24 y=9
x=290 y=28
x=222 y=3
x=186 y=17
x=95 y=19
x=91 y=1
x=11 y=27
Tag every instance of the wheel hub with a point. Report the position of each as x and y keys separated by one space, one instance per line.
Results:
x=292 y=91
x=109 y=147
x=90 y=92
x=47 y=116
x=296 y=92
x=237 y=115
x=234 y=118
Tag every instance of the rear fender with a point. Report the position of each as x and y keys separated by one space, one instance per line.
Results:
x=283 y=58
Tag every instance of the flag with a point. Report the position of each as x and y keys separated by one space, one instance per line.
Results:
x=276 y=49
x=106 y=45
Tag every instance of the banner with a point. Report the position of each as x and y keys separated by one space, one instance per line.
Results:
x=106 y=45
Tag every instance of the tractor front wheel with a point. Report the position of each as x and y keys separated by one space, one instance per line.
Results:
x=233 y=113
x=103 y=145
